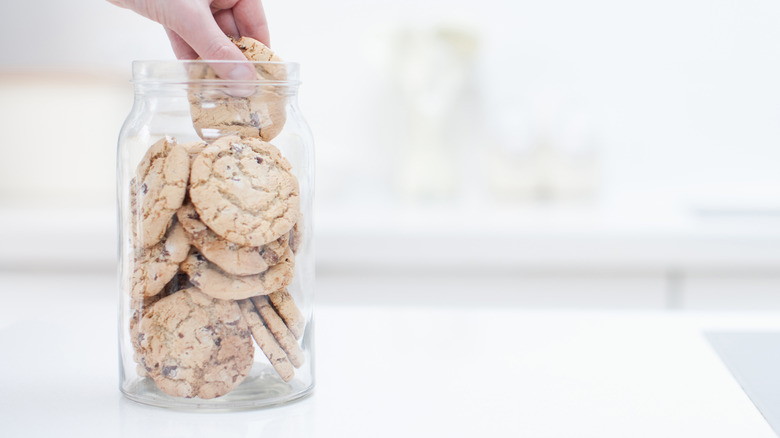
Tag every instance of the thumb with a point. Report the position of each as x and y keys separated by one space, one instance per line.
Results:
x=211 y=44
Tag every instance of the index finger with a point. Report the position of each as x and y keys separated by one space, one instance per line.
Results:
x=181 y=49
x=251 y=21
x=203 y=34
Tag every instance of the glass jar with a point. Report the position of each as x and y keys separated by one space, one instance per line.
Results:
x=216 y=271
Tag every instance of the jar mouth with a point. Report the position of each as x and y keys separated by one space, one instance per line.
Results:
x=204 y=72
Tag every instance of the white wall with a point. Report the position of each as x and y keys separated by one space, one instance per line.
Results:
x=678 y=98
x=545 y=118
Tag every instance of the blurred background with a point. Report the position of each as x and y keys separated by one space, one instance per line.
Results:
x=553 y=154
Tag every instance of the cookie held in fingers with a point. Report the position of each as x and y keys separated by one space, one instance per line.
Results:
x=262 y=113
x=218 y=284
x=243 y=189
x=255 y=50
x=195 y=346
x=215 y=116
x=154 y=267
x=266 y=341
x=279 y=329
x=158 y=190
x=232 y=258
x=285 y=307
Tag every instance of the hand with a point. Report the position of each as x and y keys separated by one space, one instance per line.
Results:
x=200 y=28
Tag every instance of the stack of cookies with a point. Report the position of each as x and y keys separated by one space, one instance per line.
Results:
x=214 y=230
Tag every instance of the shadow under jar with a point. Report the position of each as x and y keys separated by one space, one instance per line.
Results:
x=216 y=269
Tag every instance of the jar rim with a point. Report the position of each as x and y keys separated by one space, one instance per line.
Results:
x=176 y=72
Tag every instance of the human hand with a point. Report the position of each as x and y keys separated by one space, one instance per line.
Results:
x=200 y=28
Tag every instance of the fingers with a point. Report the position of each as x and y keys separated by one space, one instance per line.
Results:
x=250 y=20
x=227 y=23
x=198 y=28
x=120 y=3
x=222 y=4
x=181 y=49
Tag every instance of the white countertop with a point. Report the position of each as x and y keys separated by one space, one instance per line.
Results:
x=395 y=371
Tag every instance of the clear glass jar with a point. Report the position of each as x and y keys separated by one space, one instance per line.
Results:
x=216 y=272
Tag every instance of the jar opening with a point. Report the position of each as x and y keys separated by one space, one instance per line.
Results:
x=203 y=72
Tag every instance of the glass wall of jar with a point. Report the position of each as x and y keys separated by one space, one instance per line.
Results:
x=216 y=266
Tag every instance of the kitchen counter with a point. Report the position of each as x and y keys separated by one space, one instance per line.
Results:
x=400 y=370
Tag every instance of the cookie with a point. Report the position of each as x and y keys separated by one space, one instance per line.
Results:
x=262 y=114
x=230 y=257
x=243 y=189
x=194 y=148
x=266 y=341
x=195 y=346
x=216 y=116
x=140 y=307
x=285 y=306
x=279 y=329
x=255 y=50
x=154 y=267
x=218 y=284
x=158 y=190
x=269 y=66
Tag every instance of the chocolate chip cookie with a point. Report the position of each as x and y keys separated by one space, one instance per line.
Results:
x=220 y=111
x=288 y=311
x=232 y=258
x=243 y=189
x=279 y=329
x=218 y=284
x=158 y=190
x=154 y=267
x=266 y=341
x=195 y=346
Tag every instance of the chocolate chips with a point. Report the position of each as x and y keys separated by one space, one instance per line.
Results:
x=169 y=371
